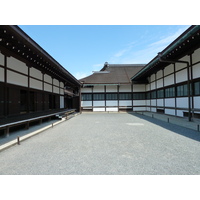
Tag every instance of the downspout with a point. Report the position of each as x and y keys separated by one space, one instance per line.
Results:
x=188 y=81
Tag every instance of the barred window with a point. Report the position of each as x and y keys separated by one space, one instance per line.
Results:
x=86 y=97
x=197 y=88
x=98 y=97
x=125 y=96
x=137 y=96
x=160 y=94
x=170 y=92
x=182 y=90
x=153 y=95
x=111 y=96
x=148 y=95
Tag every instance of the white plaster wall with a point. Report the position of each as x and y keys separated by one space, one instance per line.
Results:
x=170 y=102
x=169 y=80
x=180 y=113
x=139 y=102
x=61 y=84
x=56 y=82
x=125 y=88
x=98 y=89
x=168 y=70
x=35 y=73
x=179 y=66
x=159 y=74
x=1 y=59
x=196 y=71
x=98 y=109
x=35 y=84
x=147 y=87
x=111 y=88
x=153 y=102
x=47 y=78
x=98 y=103
x=197 y=102
x=181 y=76
x=139 y=108
x=111 y=103
x=152 y=77
x=1 y=74
x=196 y=56
x=62 y=102
x=182 y=102
x=159 y=83
x=148 y=108
x=47 y=87
x=56 y=90
x=86 y=90
x=139 y=88
x=185 y=58
x=17 y=79
x=160 y=102
x=62 y=91
x=86 y=103
x=153 y=86
x=170 y=111
x=17 y=65
x=148 y=102
x=125 y=103
x=112 y=109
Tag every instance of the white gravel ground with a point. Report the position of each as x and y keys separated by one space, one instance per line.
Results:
x=107 y=143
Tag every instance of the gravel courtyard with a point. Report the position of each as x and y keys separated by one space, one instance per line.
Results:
x=106 y=144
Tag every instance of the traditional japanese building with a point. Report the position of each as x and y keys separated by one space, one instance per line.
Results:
x=111 y=89
x=169 y=83
x=32 y=83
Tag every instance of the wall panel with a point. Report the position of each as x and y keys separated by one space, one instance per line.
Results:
x=182 y=102
x=86 y=103
x=98 y=89
x=1 y=75
x=35 y=73
x=169 y=80
x=47 y=78
x=111 y=88
x=170 y=102
x=86 y=90
x=139 y=88
x=196 y=56
x=17 y=65
x=125 y=88
x=47 y=87
x=181 y=76
x=35 y=84
x=1 y=59
x=17 y=79
x=111 y=103
x=168 y=70
x=125 y=103
x=196 y=70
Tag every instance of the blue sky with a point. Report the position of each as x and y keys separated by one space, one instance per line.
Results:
x=82 y=49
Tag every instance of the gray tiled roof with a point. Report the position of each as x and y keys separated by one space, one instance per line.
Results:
x=113 y=74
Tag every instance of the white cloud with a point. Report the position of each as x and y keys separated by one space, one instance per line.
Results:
x=132 y=55
x=80 y=75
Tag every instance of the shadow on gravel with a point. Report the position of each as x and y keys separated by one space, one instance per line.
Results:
x=192 y=134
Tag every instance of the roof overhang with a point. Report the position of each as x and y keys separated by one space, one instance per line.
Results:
x=13 y=39
x=185 y=44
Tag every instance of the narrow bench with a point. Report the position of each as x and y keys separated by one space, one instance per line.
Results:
x=6 y=127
